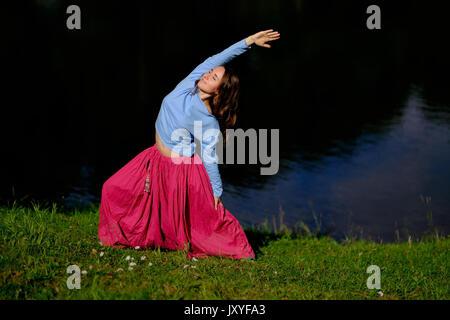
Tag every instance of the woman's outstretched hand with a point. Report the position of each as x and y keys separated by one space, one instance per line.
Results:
x=260 y=38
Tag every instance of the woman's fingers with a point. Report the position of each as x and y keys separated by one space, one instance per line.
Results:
x=272 y=35
x=217 y=201
x=273 y=38
x=270 y=39
x=264 y=36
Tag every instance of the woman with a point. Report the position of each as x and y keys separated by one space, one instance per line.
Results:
x=168 y=196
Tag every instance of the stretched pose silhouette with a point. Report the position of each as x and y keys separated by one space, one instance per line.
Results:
x=168 y=196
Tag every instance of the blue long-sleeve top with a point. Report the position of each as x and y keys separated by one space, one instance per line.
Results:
x=181 y=107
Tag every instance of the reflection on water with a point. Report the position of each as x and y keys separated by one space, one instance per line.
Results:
x=375 y=190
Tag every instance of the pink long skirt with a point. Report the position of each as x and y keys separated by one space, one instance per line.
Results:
x=153 y=202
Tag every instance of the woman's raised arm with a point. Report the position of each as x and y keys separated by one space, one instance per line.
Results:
x=259 y=38
x=216 y=60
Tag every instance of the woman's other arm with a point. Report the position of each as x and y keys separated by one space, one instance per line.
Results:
x=210 y=160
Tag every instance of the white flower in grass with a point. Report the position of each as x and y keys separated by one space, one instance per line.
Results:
x=84 y=272
x=193 y=267
x=143 y=258
x=132 y=258
x=380 y=293
x=276 y=272
x=120 y=269
x=128 y=258
x=132 y=264
x=90 y=267
x=137 y=247
x=195 y=259
x=101 y=254
x=150 y=264
x=130 y=268
x=186 y=265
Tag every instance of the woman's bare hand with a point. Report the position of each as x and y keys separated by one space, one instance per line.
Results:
x=260 y=38
x=217 y=201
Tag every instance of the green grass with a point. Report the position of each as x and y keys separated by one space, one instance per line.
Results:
x=37 y=245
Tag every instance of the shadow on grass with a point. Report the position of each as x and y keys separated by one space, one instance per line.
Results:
x=260 y=238
x=261 y=235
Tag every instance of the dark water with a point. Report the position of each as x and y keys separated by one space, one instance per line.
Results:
x=363 y=114
x=389 y=181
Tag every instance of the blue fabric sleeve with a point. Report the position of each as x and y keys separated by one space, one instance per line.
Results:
x=210 y=159
x=218 y=59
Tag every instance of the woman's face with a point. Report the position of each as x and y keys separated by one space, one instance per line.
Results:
x=210 y=81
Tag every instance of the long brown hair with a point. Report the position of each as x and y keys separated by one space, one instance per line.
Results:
x=224 y=105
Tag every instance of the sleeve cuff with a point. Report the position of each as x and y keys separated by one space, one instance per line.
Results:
x=218 y=194
x=245 y=44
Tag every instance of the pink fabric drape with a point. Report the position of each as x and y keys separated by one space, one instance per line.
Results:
x=174 y=210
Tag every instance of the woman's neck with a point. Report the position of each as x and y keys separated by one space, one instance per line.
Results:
x=204 y=96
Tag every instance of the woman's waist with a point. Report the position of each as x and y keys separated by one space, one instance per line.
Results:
x=168 y=152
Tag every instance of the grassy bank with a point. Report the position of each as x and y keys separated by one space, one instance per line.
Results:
x=37 y=245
